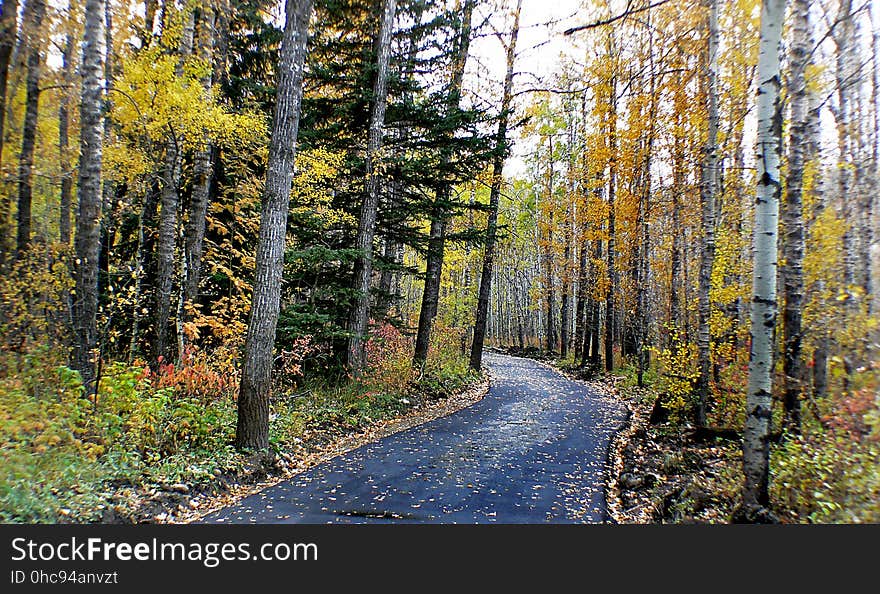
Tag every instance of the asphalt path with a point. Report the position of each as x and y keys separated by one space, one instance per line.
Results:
x=533 y=450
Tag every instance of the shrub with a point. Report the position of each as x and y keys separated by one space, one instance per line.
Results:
x=826 y=477
x=389 y=361
x=447 y=369
x=678 y=375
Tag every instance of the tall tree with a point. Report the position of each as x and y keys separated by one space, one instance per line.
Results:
x=35 y=10
x=501 y=148
x=169 y=205
x=708 y=191
x=252 y=429
x=793 y=215
x=610 y=311
x=440 y=214
x=756 y=437
x=846 y=78
x=8 y=31
x=363 y=269
x=194 y=227
x=88 y=217
x=63 y=139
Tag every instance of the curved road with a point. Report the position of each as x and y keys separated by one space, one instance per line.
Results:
x=532 y=450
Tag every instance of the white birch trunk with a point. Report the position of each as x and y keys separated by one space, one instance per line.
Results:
x=756 y=452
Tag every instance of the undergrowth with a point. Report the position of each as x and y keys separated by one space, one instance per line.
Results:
x=66 y=457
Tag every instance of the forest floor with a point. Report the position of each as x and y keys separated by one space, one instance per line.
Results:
x=660 y=472
x=663 y=473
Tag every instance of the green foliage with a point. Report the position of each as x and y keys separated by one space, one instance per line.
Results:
x=134 y=432
x=69 y=458
x=826 y=477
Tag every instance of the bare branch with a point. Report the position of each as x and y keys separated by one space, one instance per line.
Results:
x=608 y=21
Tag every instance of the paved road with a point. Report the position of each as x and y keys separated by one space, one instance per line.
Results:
x=531 y=451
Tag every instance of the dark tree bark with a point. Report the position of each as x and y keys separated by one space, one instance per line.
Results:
x=793 y=218
x=8 y=30
x=363 y=268
x=63 y=143
x=437 y=240
x=35 y=10
x=145 y=270
x=252 y=429
x=431 y=292
x=501 y=148
x=88 y=219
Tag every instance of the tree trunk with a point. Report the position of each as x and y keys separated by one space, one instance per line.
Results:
x=564 y=305
x=501 y=147
x=169 y=201
x=63 y=142
x=581 y=344
x=436 y=245
x=549 y=292
x=88 y=219
x=252 y=429
x=35 y=10
x=194 y=227
x=847 y=64
x=793 y=217
x=8 y=30
x=169 y=205
x=145 y=273
x=756 y=451
x=363 y=268
x=386 y=279
x=431 y=291
x=612 y=188
x=708 y=191
x=642 y=224
x=872 y=220
x=596 y=312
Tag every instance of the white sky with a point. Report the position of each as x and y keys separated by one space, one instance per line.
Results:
x=538 y=48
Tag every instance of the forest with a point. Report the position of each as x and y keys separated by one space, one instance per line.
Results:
x=233 y=232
